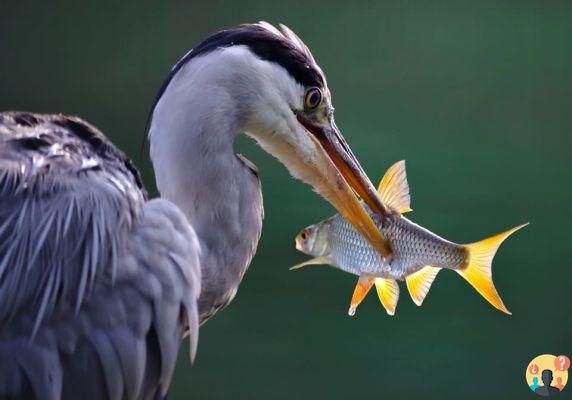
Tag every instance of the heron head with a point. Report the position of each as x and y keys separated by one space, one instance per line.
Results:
x=292 y=117
x=266 y=81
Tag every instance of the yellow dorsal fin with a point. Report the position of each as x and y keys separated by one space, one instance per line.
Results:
x=388 y=293
x=394 y=190
x=364 y=284
x=313 y=261
x=420 y=282
x=477 y=270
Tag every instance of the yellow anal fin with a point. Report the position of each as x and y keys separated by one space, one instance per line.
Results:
x=394 y=190
x=363 y=286
x=478 y=270
x=388 y=293
x=313 y=261
x=420 y=282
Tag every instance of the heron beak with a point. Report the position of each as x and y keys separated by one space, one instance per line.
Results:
x=346 y=182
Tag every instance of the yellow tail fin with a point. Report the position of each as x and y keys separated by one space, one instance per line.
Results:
x=478 y=269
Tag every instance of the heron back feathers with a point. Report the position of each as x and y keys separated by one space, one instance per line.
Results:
x=97 y=286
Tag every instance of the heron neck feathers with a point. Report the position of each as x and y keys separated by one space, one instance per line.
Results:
x=192 y=136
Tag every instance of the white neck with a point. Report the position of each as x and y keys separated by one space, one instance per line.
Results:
x=190 y=143
x=192 y=136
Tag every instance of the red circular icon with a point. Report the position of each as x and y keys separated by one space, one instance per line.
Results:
x=533 y=369
x=562 y=363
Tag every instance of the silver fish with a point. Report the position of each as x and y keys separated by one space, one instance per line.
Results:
x=417 y=254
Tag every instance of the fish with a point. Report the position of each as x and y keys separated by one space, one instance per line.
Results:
x=417 y=254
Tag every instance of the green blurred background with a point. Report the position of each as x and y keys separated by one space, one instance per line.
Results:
x=476 y=96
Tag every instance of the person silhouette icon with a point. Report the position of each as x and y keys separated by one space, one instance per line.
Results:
x=559 y=384
x=546 y=390
x=534 y=383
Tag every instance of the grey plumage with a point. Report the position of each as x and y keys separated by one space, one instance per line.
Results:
x=96 y=285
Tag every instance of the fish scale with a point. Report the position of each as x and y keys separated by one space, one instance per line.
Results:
x=413 y=248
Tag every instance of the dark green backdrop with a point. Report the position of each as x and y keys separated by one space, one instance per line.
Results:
x=476 y=95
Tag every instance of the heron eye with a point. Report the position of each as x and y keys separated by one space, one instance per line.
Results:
x=313 y=98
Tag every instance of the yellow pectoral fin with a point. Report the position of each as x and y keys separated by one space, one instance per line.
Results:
x=394 y=190
x=363 y=286
x=313 y=261
x=420 y=282
x=388 y=293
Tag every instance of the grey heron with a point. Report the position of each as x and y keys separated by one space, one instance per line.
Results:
x=99 y=284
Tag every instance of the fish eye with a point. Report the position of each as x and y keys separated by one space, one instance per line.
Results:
x=304 y=235
x=313 y=98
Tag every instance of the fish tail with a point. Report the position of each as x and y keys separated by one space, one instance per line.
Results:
x=477 y=270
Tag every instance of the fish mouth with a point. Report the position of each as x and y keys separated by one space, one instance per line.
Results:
x=300 y=242
x=346 y=182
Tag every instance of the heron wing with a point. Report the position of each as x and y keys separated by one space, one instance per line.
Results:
x=97 y=286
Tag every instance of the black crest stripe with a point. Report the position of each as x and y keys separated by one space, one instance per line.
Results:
x=265 y=44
